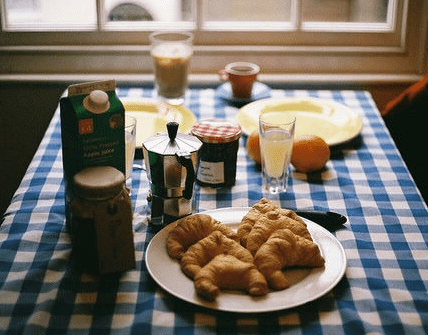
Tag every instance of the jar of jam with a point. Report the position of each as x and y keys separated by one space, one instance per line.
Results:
x=101 y=221
x=218 y=155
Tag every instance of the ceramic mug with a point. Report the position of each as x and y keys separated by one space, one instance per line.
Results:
x=241 y=76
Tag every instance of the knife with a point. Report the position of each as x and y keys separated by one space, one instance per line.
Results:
x=329 y=220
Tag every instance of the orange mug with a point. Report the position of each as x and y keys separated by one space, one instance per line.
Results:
x=241 y=75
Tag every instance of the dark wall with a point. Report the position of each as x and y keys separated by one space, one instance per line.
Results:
x=26 y=110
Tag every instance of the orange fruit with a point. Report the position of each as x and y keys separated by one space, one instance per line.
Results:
x=253 y=147
x=310 y=153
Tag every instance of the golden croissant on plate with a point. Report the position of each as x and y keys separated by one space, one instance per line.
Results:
x=202 y=252
x=263 y=219
x=228 y=272
x=250 y=219
x=191 y=229
x=284 y=249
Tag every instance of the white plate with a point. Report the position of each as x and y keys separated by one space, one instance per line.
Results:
x=308 y=284
x=330 y=120
x=152 y=117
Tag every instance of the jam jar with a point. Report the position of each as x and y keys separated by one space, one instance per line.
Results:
x=218 y=155
x=101 y=221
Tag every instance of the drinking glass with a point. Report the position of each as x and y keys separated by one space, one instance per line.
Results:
x=130 y=142
x=276 y=131
x=171 y=52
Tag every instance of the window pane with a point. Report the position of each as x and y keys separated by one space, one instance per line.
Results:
x=55 y=14
x=148 y=10
x=246 y=10
x=345 y=10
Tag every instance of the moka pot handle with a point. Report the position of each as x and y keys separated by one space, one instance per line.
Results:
x=184 y=158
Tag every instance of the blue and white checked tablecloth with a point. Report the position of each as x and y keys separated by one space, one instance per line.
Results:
x=384 y=290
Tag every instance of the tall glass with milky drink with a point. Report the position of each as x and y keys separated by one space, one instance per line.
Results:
x=171 y=52
x=276 y=133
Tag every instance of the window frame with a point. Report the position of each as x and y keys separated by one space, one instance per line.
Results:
x=317 y=52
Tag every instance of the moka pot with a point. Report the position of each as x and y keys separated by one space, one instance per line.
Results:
x=170 y=160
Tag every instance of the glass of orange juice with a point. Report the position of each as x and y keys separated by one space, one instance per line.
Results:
x=276 y=133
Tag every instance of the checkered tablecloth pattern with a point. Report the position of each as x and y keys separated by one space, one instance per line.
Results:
x=384 y=290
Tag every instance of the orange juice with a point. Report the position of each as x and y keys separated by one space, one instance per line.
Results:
x=275 y=147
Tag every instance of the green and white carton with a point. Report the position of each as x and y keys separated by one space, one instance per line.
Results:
x=91 y=134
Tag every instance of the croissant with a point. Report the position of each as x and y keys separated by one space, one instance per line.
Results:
x=249 y=220
x=263 y=219
x=228 y=272
x=191 y=229
x=202 y=252
x=284 y=249
x=271 y=222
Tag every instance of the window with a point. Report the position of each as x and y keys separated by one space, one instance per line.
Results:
x=287 y=38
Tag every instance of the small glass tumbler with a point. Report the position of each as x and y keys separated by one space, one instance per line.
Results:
x=130 y=143
x=276 y=131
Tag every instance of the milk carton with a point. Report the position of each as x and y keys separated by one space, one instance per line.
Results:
x=92 y=132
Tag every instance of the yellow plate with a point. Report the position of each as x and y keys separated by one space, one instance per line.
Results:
x=332 y=121
x=152 y=117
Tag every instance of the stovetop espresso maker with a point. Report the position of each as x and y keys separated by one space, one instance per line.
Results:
x=170 y=160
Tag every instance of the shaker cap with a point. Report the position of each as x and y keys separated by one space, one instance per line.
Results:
x=171 y=142
x=217 y=131
x=98 y=183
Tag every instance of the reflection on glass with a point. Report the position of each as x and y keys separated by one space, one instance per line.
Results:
x=129 y=12
x=147 y=10
x=82 y=14
x=244 y=10
x=345 y=10
x=51 y=13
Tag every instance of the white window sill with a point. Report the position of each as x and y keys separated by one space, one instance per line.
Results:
x=213 y=79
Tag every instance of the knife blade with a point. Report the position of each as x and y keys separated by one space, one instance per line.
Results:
x=329 y=220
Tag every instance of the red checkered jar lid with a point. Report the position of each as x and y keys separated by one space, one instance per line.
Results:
x=217 y=131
